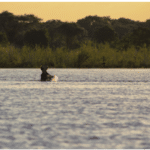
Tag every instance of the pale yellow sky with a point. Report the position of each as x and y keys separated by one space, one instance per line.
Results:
x=72 y=11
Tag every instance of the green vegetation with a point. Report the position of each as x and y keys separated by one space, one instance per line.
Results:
x=91 y=42
x=87 y=56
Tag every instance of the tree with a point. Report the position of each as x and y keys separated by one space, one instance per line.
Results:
x=121 y=29
x=55 y=39
x=91 y=23
x=140 y=36
x=28 y=19
x=70 y=31
x=14 y=26
x=8 y=24
x=3 y=39
x=105 y=34
x=28 y=22
x=125 y=21
x=36 y=37
x=148 y=23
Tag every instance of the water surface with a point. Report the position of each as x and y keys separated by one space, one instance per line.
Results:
x=86 y=108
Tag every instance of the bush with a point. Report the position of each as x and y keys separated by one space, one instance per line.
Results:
x=3 y=39
x=90 y=55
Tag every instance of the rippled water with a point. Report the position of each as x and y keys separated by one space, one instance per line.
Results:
x=86 y=108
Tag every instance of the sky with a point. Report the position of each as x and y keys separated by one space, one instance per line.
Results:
x=73 y=11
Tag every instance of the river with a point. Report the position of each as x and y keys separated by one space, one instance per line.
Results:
x=84 y=109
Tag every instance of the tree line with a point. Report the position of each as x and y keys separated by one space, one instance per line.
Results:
x=27 y=32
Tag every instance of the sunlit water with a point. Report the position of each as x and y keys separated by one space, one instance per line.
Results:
x=86 y=108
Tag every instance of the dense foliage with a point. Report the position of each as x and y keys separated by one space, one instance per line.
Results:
x=89 y=55
x=93 y=41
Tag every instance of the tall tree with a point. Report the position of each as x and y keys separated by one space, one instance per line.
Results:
x=140 y=36
x=91 y=23
x=70 y=31
x=36 y=37
x=15 y=26
x=105 y=34
x=55 y=40
x=8 y=24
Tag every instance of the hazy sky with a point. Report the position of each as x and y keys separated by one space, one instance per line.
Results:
x=72 y=11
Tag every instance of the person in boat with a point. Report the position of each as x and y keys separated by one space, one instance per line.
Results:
x=45 y=76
